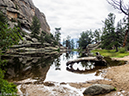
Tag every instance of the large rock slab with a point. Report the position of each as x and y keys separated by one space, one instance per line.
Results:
x=23 y=11
x=97 y=89
x=7 y=3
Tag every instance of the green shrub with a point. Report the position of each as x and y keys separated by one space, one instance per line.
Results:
x=122 y=50
x=7 y=88
x=115 y=89
x=47 y=38
x=127 y=47
x=1 y=74
x=8 y=37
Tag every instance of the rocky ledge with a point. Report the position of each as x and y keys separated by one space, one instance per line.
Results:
x=30 y=45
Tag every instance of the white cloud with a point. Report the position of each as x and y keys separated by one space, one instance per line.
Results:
x=75 y=16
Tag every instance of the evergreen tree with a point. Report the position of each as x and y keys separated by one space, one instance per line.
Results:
x=42 y=37
x=68 y=44
x=35 y=27
x=97 y=36
x=119 y=35
x=112 y=37
x=57 y=34
x=85 y=39
x=124 y=8
x=72 y=44
x=108 y=37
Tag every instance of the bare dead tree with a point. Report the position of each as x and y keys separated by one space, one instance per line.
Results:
x=124 y=8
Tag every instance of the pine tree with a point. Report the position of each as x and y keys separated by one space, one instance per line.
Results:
x=57 y=34
x=35 y=27
x=119 y=35
x=112 y=37
x=108 y=36
x=97 y=36
x=72 y=44
x=85 y=39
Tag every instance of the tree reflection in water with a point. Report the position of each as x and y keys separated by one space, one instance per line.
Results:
x=57 y=63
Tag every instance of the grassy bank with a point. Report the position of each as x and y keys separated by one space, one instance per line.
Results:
x=112 y=53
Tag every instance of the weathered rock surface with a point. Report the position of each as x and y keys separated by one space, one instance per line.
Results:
x=23 y=11
x=97 y=89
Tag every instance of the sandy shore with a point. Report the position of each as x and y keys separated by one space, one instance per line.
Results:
x=117 y=76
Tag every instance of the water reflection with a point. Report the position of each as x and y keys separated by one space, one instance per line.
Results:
x=70 y=54
x=84 y=67
x=23 y=67
x=65 y=75
x=57 y=63
x=51 y=67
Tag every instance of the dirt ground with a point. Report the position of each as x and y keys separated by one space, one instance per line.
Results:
x=117 y=76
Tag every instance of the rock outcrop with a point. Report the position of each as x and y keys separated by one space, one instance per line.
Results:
x=23 y=11
x=97 y=89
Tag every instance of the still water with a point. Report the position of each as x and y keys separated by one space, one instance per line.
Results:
x=50 y=67
x=64 y=74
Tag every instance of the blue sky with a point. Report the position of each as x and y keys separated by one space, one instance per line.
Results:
x=75 y=16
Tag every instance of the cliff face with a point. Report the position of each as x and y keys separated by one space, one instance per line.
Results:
x=23 y=11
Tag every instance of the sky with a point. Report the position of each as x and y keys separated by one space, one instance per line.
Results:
x=75 y=16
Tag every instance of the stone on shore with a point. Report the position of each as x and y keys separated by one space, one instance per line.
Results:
x=97 y=89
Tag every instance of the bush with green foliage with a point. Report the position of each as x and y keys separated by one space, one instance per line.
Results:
x=8 y=37
x=6 y=87
x=122 y=50
x=48 y=38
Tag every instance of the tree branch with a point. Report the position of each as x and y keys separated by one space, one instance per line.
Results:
x=121 y=8
x=119 y=5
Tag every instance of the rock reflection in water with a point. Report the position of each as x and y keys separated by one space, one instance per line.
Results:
x=87 y=67
x=50 y=67
x=84 y=67
x=23 y=67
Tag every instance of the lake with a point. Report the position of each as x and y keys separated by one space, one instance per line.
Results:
x=50 y=67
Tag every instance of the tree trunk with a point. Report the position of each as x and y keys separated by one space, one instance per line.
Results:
x=127 y=31
x=116 y=48
x=125 y=38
